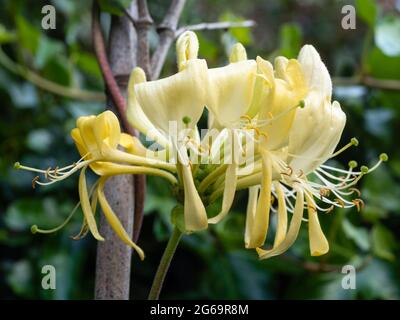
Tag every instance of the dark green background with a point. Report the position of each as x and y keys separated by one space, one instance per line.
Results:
x=35 y=125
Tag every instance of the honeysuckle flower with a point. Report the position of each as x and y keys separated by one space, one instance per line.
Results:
x=229 y=100
x=277 y=95
x=179 y=99
x=98 y=138
x=313 y=137
x=273 y=128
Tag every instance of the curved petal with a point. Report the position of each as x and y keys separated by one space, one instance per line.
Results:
x=251 y=212
x=315 y=133
x=86 y=207
x=229 y=193
x=258 y=233
x=106 y=129
x=315 y=71
x=282 y=215
x=136 y=117
x=194 y=212
x=231 y=92
x=280 y=102
x=114 y=221
x=180 y=96
x=293 y=232
x=318 y=243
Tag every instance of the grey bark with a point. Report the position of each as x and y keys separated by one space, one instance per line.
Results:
x=113 y=263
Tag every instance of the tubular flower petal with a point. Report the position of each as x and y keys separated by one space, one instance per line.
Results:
x=231 y=92
x=318 y=243
x=238 y=53
x=258 y=232
x=279 y=100
x=194 y=212
x=187 y=48
x=135 y=113
x=312 y=144
x=292 y=233
x=86 y=207
x=316 y=74
x=282 y=215
x=173 y=98
x=113 y=219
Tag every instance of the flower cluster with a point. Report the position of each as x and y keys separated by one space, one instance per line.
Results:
x=271 y=128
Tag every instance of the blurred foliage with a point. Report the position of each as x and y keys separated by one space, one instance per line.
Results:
x=35 y=125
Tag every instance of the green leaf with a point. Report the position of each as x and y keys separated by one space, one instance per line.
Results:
x=387 y=35
x=383 y=193
x=47 y=49
x=382 y=66
x=114 y=6
x=39 y=140
x=59 y=70
x=383 y=242
x=5 y=35
x=242 y=35
x=86 y=62
x=357 y=234
x=28 y=35
x=23 y=213
x=367 y=10
x=20 y=278
x=290 y=39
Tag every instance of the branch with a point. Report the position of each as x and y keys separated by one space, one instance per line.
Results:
x=384 y=84
x=166 y=31
x=47 y=85
x=216 y=26
x=143 y=25
x=111 y=83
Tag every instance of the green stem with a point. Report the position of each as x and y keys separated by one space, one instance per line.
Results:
x=45 y=84
x=164 y=264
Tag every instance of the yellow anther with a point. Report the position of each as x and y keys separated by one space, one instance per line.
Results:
x=324 y=192
x=356 y=190
x=359 y=203
x=46 y=174
x=339 y=202
x=246 y=118
x=34 y=180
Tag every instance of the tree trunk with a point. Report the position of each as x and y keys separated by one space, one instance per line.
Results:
x=113 y=264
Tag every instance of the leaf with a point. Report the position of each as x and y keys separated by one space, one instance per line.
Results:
x=28 y=35
x=357 y=234
x=114 y=6
x=39 y=140
x=5 y=35
x=87 y=62
x=383 y=193
x=20 y=278
x=382 y=66
x=242 y=35
x=290 y=39
x=367 y=10
x=23 y=213
x=47 y=49
x=387 y=35
x=383 y=242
